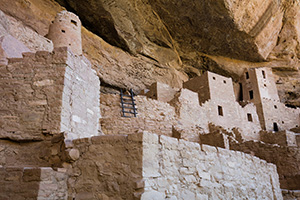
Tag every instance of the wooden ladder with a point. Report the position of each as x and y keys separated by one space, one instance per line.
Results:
x=128 y=104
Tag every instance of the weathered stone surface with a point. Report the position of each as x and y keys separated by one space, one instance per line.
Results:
x=11 y=26
x=32 y=183
x=246 y=30
x=286 y=159
x=11 y=47
x=170 y=169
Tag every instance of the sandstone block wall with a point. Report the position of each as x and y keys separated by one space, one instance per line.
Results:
x=276 y=112
x=287 y=160
x=46 y=153
x=48 y=93
x=261 y=83
x=80 y=100
x=32 y=183
x=153 y=116
x=109 y=167
x=148 y=166
x=185 y=170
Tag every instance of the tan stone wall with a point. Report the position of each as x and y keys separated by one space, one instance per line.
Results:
x=282 y=138
x=48 y=152
x=265 y=96
x=32 y=183
x=109 y=167
x=185 y=170
x=48 y=93
x=234 y=116
x=31 y=89
x=287 y=160
x=276 y=112
x=291 y=194
x=161 y=92
x=148 y=166
x=153 y=116
x=80 y=99
x=65 y=31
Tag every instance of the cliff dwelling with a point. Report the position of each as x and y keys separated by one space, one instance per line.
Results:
x=129 y=100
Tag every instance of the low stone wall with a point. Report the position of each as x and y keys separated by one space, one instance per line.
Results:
x=48 y=92
x=45 y=153
x=32 y=183
x=291 y=194
x=153 y=116
x=287 y=160
x=184 y=170
x=109 y=167
x=147 y=166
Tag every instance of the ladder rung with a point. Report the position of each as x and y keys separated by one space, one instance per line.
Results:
x=127 y=116
x=128 y=99
x=129 y=107
x=129 y=103
x=128 y=112
x=125 y=95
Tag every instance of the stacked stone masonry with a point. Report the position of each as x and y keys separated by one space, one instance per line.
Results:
x=49 y=92
x=258 y=86
x=154 y=116
x=32 y=183
x=148 y=166
x=287 y=160
x=50 y=117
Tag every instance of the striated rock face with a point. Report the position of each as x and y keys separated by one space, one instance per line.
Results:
x=243 y=29
x=130 y=25
x=147 y=41
x=116 y=68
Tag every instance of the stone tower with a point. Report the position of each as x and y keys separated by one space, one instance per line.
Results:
x=258 y=86
x=65 y=31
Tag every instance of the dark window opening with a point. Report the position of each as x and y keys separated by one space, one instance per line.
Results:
x=263 y=74
x=214 y=78
x=220 y=110
x=241 y=98
x=63 y=31
x=247 y=75
x=275 y=106
x=265 y=85
x=249 y=116
x=74 y=22
x=275 y=127
x=251 y=94
x=224 y=81
x=282 y=122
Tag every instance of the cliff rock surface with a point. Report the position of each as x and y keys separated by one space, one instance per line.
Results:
x=132 y=44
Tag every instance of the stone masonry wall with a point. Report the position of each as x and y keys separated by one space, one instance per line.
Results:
x=46 y=153
x=147 y=166
x=184 y=170
x=48 y=92
x=32 y=183
x=80 y=99
x=30 y=93
x=109 y=167
x=287 y=160
x=153 y=116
